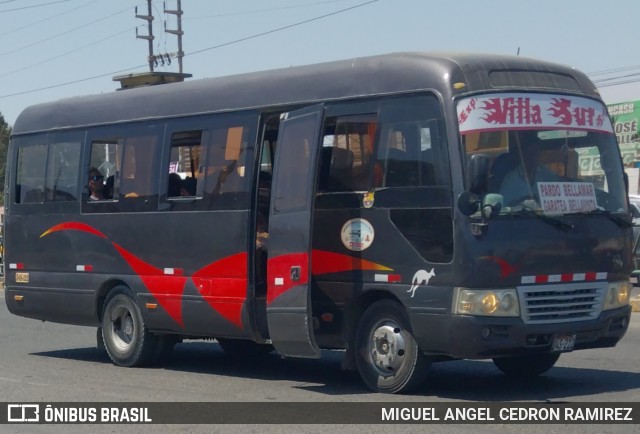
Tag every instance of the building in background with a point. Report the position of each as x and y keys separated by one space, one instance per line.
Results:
x=625 y=117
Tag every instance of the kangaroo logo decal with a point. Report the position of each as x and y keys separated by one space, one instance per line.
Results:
x=422 y=277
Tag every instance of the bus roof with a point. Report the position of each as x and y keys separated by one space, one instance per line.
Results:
x=375 y=75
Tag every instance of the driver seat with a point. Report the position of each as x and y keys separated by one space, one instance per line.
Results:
x=502 y=165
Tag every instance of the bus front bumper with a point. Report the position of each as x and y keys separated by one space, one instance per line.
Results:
x=476 y=337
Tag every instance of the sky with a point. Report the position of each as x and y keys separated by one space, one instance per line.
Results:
x=54 y=49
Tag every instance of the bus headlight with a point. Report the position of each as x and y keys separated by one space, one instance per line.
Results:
x=618 y=294
x=484 y=302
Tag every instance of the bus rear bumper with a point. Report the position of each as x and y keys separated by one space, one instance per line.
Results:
x=469 y=337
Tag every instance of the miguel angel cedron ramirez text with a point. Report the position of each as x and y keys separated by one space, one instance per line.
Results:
x=566 y=414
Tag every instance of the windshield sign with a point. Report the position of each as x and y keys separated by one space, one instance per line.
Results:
x=516 y=110
x=567 y=197
x=553 y=154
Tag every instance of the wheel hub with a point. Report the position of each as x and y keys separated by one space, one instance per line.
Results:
x=387 y=348
x=123 y=328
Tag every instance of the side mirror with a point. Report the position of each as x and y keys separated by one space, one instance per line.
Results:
x=468 y=204
x=478 y=173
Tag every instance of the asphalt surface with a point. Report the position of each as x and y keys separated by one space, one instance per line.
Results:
x=44 y=362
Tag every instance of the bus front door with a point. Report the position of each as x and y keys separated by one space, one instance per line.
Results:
x=290 y=227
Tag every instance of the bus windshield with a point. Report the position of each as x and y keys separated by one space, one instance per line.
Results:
x=554 y=154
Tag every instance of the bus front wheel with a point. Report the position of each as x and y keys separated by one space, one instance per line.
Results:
x=387 y=355
x=526 y=366
x=124 y=333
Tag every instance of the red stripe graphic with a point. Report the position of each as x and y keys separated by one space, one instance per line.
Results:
x=73 y=226
x=566 y=277
x=165 y=288
x=323 y=262
x=223 y=284
x=279 y=274
x=543 y=278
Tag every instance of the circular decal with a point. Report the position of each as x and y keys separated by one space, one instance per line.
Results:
x=357 y=235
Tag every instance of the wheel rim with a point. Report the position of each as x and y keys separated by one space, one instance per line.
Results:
x=122 y=328
x=386 y=347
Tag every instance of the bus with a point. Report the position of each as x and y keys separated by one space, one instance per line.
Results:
x=366 y=206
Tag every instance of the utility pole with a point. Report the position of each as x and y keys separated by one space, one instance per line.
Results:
x=178 y=32
x=149 y=37
x=152 y=78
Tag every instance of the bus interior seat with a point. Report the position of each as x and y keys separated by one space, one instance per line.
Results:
x=401 y=171
x=33 y=195
x=190 y=185
x=502 y=165
x=427 y=168
x=336 y=171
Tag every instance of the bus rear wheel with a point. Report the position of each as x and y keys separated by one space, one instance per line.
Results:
x=526 y=366
x=387 y=355
x=125 y=336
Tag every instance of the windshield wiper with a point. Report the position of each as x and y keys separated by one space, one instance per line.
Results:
x=620 y=221
x=553 y=221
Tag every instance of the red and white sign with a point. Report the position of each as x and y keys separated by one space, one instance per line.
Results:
x=563 y=278
x=532 y=111
x=567 y=197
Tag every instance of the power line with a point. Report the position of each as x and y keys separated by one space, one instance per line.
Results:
x=611 y=71
x=253 y=11
x=34 y=6
x=192 y=53
x=281 y=28
x=61 y=34
x=51 y=17
x=634 y=80
x=66 y=53
x=604 y=80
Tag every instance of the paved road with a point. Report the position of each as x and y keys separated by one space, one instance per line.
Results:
x=53 y=363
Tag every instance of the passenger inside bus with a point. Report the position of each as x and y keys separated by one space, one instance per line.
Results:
x=96 y=185
x=520 y=183
x=176 y=187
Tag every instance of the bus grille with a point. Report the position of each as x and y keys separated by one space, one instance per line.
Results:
x=545 y=304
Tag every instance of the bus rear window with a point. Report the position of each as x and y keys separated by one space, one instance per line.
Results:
x=536 y=79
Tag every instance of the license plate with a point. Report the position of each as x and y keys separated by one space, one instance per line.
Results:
x=563 y=343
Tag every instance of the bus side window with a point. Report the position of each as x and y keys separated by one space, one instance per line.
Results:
x=226 y=184
x=63 y=165
x=346 y=154
x=184 y=164
x=137 y=167
x=128 y=166
x=32 y=162
x=407 y=156
x=104 y=161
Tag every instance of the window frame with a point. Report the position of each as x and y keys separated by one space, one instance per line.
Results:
x=48 y=139
x=121 y=133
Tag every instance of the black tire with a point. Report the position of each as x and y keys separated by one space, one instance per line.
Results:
x=526 y=366
x=99 y=340
x=243 y=348
x=125 y=336
x=387 y=355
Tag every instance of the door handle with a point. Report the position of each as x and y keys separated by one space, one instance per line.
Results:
x=296 y=271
